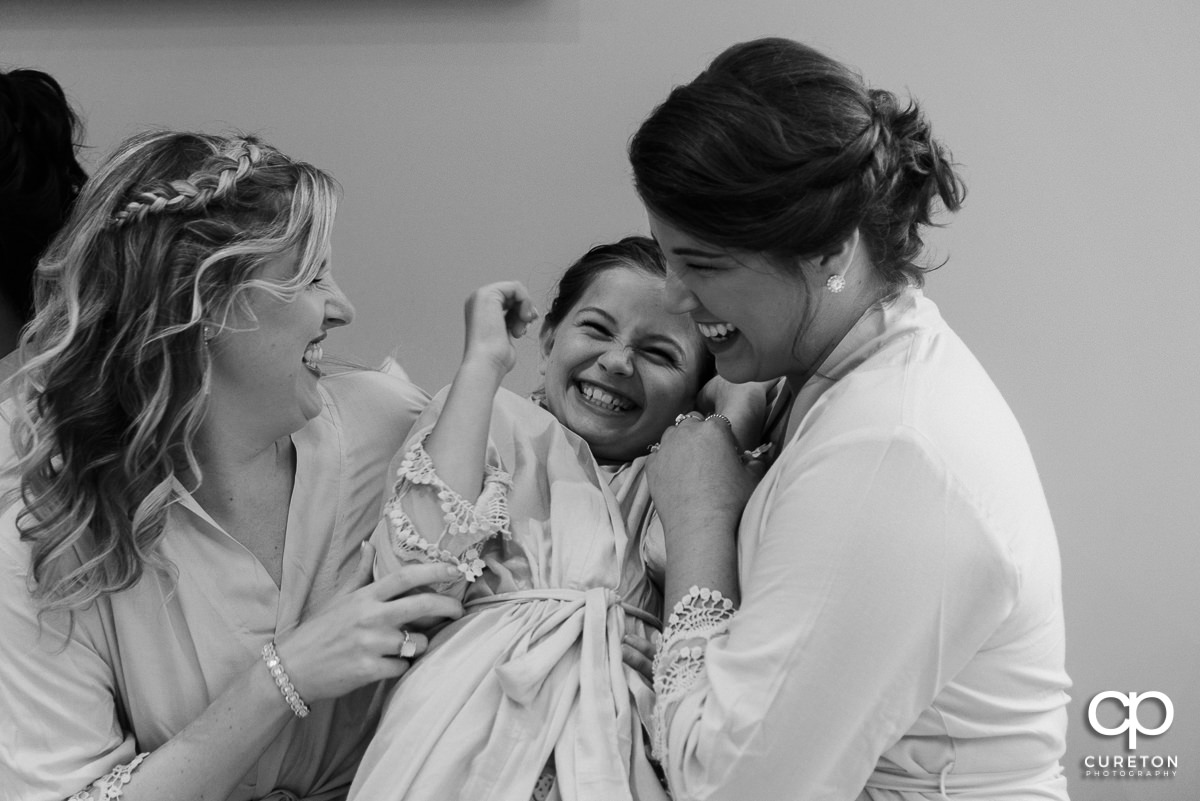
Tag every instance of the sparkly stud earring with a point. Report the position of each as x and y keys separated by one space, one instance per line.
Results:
x=835 y=283
x=207 y=333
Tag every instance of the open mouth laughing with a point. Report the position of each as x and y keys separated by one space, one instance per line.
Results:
x=716 y=332
x=603 y=398
x=312 y=357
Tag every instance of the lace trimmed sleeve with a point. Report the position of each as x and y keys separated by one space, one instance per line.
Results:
x=699 y=616
x=466 y=525
x=112 y=784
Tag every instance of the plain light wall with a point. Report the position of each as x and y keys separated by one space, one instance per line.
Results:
x=481 y=139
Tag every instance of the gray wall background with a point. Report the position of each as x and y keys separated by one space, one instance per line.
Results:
x=479 y=139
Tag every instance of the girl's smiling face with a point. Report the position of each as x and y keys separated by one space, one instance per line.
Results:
x=620 y=366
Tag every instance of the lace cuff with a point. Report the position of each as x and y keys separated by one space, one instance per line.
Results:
x=112 y=784
x=699 y=616
x=480 y=521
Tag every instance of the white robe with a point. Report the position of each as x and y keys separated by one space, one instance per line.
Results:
x=901 y=608
x=145 y=662
x=535 y=667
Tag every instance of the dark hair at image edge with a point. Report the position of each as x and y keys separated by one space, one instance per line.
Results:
x=39 y=175
x=777 y=148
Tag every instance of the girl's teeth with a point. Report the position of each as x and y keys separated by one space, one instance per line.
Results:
x=602 y=398
x=717 y=331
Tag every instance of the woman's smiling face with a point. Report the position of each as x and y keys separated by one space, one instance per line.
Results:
x=620 y=366
x=267 y=363
x=750 y=312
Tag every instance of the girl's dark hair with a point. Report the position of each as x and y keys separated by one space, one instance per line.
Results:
x=777 y=148
x=39 y=175
x=635 y=252
x=632 y=252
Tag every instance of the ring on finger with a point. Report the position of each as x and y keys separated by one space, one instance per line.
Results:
x=654 y=448
x=408 y=648
x=679 y=418
x=721 y=417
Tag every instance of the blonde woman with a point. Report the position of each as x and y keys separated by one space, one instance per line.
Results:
x=182 y=593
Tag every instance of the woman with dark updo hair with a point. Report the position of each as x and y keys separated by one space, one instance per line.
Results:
x=880 y=616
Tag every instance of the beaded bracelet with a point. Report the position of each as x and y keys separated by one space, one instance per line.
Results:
x=275 y=665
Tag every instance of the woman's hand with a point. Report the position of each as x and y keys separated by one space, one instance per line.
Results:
x=638 y=653
x=697 y=479
x=744 y=405
x=497 y=315
x=357 y=639
x=700 y=487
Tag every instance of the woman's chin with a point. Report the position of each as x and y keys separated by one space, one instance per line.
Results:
x=737 y=371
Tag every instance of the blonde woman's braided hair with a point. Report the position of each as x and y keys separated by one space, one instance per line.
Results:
x=167 y=235
x=194 y=193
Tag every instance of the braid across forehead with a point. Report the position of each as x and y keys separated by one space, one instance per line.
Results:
x=166 y=238
x=217 y=180
x=170 y=233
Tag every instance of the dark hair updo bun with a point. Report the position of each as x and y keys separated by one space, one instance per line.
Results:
x=777 y=148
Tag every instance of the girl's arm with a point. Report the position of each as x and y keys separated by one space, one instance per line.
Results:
x=496 y=315
x=447 y=501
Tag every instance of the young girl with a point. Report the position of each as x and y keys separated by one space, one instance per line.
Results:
x=543 y=509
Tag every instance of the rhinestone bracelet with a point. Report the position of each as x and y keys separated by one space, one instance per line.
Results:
x=275 y=665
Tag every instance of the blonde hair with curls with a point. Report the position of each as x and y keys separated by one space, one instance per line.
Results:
x=166 y=237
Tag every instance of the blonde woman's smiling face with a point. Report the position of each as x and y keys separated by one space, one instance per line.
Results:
x=267 y=364
x=620 y=366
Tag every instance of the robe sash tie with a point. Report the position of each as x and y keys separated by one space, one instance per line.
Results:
x=949 y=785
x=593 y=621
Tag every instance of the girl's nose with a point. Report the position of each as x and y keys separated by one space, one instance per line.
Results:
x=617 y=360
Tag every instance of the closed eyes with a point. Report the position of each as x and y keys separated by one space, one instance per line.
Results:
x=661 y=356
x=657 y=354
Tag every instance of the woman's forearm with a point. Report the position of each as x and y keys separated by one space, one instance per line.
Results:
x=699 y=487
x=208 y=758
x=700 y=556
